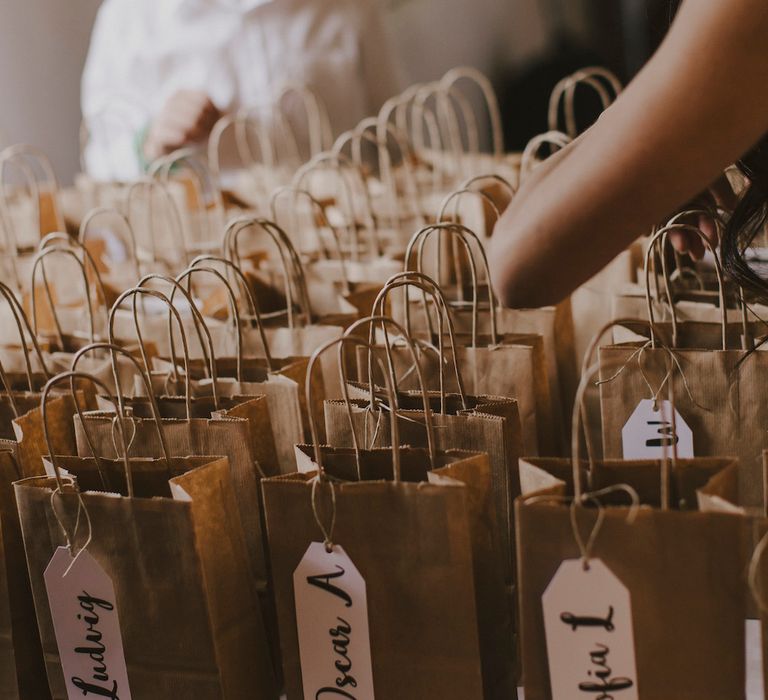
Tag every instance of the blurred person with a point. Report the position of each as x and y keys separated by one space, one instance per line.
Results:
x=168 y=69
x=695 y=108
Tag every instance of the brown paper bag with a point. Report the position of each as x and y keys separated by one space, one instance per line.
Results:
x=480 y=423
x=22 y=671
x=683 y=570
x=191 y=436
x=717 y=319
x=279 y=383
x=303 y=332
x=718 y=395
x=504 y=368
x=673 y=559
x=27 y=443
x=186 y=434
x=486 y=423
x=554 y=324
x=220 y=411
x=250 y=368
x=390 y=484
x=192 y=563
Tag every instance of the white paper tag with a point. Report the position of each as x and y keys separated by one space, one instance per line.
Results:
x=644 y=433
x=332 y=621
x=84 y=612
x=590 y=637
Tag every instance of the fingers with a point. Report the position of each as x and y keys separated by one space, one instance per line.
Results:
x=723 y=193
x=195 y=112
x=708 y=227
x=688 y=242
x=187 y=117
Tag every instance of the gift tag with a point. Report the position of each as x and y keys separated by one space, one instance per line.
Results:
x=590 y=638
x=646 y=430
x=332 y=621
x=84 y=612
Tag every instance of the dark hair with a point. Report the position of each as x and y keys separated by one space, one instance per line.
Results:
x=748 y=221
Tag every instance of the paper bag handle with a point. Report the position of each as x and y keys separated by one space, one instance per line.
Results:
x=58 y=239
x=343 y=166
x=716 y=216
x=21 y=318
x=555 y=139
x=213 y=150
x=318 y=210
x=134 y=294
x=660 y=237
x=149 y=186
x=208 y=195
x=34 y=163
x=114 y=350
x=72 y=375
x=421 y=281
x=566 y=88
x=98 y=212
x=368 y=130
x=9 y=391
x=201 y=329
x=384 y=322
x=319 y=126
x=462 y=233
x=453 y=76
x=234 y=310
x=252 y=299
x=39 y=264
x=456 y=196
x=293 y=272
x=6 y=160
x=342 y=342
x=456 y=232
x=478 y=180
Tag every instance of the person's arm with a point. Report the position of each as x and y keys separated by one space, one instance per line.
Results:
x=697 y=106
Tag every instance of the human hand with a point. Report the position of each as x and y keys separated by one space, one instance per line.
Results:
x=187 y=117
x=720 y=194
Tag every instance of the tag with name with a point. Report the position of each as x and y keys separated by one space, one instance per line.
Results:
x=590 y=638
x=646 y=431
x=332 y=621
x=84 y=612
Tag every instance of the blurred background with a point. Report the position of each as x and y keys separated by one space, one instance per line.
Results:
x=525 y=46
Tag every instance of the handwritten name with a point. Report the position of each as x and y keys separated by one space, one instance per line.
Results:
x=98 y=685
x=601 y=682
x=575 y=622
x=340 y=638
x=667 y=433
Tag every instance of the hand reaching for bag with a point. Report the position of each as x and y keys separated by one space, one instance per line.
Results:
x=719 y=194
x=187 y=117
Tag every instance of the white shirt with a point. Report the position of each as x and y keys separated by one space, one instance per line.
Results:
x=241 y=52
